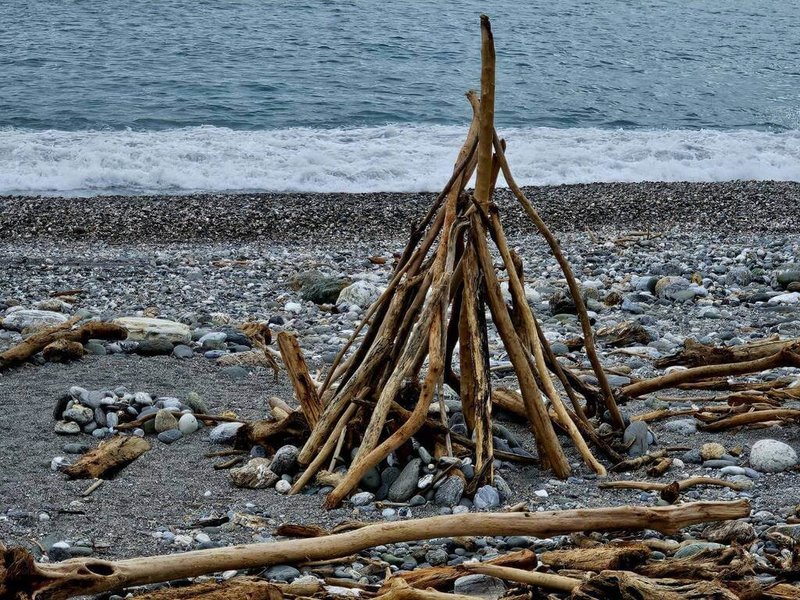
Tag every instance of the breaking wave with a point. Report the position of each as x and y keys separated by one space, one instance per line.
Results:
x=404 y=158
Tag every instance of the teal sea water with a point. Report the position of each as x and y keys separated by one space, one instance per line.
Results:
x=178 y=95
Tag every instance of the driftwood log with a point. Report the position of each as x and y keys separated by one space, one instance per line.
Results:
x=37 y=342
x=111 y=456
x=22 y=578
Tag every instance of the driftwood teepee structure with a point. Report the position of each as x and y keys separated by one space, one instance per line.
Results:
x=436 y=299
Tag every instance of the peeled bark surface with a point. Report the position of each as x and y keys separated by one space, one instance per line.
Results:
x=110 y=457
x=20 y=576
x=304 y=387
x=601 y=558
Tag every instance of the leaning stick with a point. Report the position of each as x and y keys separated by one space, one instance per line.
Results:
x=683 y=484
x=542 y=580
x=550 y=450
x=583 y=316
x=88 y=576
x=369 y=456
x=518 y=294
x=787 y=357
x=324 y=452
x=404 y=263
x=749 y=418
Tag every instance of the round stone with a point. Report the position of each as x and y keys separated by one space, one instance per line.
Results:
x=772 y=456
x=187 y=424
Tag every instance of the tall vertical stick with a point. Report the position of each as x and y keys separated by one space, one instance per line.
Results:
x=483 y=183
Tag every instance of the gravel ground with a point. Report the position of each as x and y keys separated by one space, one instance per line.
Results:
x=282 y=218
x=179 y=255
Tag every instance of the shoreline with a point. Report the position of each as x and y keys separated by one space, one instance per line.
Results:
x=727 y=207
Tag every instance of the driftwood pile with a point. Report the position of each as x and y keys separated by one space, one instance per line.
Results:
x=620 y=570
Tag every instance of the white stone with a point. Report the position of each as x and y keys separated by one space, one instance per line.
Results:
x=187 y=424
x=145 y=328
x=224 y=433
x=541 y=493
x=202 y=538
x=293 y=307
x=283 y=486
x=772 y=456
x=360 y=293
x=33 y=319
x=790 y=298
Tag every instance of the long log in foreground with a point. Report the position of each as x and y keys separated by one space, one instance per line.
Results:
x=21 y=577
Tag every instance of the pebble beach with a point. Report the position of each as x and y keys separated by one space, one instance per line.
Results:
x=715 y=262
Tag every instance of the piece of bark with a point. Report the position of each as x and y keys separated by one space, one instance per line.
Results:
x=661 y=467
x=271 y=433
x=238 y=588
x=110 y=457
x=695 y=354
x=442 y=577
x=304 y=387
x=640 y=461
x=87 y=576
x=63 y=351
x=615 y=557
x=623 y=585
x=400 y=590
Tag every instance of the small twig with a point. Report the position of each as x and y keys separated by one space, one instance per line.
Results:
x=97 y=483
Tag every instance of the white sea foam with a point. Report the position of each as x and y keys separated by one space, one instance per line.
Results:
x=387 y=158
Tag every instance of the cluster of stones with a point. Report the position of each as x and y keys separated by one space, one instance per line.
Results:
x=99 y=412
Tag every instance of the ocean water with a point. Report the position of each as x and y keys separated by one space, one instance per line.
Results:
x=209 y=95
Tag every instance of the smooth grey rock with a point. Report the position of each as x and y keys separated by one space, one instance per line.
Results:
x=362 y=498
x=224 y=433
x=406 y=483
x=78 y=413
x=486 y=497
x=94 y=348
x=169 y=436
x=285 y=460
x=213 y=341
x=324 y=290
x=188 y=424
x=154 y=347
x=681 y=426
x=450 y=492
x=29 y=318
x=282 y=573
x=770 y=456
x=480 y=586
x=635 y=438
x=182 y=351
x=695 y=548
